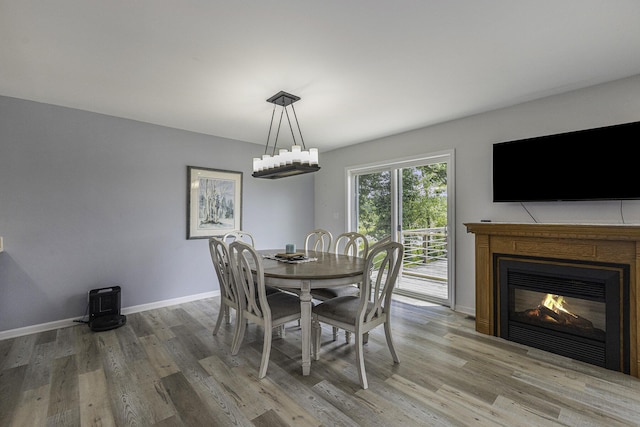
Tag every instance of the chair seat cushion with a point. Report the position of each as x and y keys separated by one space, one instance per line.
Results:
x=342 y=309
x=329 y=293
x=283 y=304
x=271 y=290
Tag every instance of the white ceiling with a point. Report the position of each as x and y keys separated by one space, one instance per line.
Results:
x=363 y=68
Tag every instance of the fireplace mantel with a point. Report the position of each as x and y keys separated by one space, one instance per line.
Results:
x=605 y=243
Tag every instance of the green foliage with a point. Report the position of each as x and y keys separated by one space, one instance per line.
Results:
x=423 y=198
x=374 y=202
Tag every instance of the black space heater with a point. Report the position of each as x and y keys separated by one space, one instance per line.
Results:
x=104 y=309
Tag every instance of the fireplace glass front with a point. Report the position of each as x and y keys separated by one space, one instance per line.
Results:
x=572 y=310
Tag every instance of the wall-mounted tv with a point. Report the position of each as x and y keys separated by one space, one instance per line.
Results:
x=592 y=164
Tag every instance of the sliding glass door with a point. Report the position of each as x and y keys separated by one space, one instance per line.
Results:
x=410 y=202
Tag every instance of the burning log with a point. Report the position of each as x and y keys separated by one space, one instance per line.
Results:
x=552 y=313
x=565 y=318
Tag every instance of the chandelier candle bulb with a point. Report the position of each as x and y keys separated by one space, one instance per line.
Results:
x=313 y=156
x=266 y=160
x=256 y=164
x=305 y=157
x=282 y=157
x=296 y=152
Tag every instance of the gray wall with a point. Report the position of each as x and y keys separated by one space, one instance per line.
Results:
x=90 y=201
x=472 y=139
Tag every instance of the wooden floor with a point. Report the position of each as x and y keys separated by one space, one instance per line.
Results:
x=164 y=368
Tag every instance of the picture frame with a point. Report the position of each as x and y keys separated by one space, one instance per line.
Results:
x=214 y=202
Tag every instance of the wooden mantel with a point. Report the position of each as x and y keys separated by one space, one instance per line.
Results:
x=616 y=243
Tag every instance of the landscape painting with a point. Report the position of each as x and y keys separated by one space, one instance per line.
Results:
x=214 y=203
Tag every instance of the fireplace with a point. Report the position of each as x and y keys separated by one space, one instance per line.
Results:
x=575 y=310
x=592 y=271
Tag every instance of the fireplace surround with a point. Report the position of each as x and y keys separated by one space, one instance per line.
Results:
x=595 y=266
x=573 y=309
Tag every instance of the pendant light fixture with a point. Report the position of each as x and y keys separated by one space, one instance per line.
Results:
x=280 y=163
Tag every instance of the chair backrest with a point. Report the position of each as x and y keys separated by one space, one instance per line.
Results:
x=381 y=273
x=352 y=243
x=318 y=240
x=382 y=241
x=253 y=296
x=221 y=262
x=243 y=236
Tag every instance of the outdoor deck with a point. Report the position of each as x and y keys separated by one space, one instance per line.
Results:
x=437 y=287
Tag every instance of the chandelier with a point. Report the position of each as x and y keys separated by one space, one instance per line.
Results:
x=280 y=163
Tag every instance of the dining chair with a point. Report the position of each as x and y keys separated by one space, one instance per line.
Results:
x=318 y=240
x=269 y=311
x=382 y=241
x=349 y=243
x=246 y=237
x=352 y=243
x=360 y=314
x=229 y=298
x=234 y=235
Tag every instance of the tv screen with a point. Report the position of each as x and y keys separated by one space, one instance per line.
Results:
x=592 y=164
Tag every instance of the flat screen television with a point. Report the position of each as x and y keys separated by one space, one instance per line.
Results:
x=592 y=164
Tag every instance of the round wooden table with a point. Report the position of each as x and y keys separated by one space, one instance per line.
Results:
x=327 y=271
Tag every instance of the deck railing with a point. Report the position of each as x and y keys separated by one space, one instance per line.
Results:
x=423 y=247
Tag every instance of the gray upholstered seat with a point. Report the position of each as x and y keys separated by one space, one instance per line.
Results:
x=342 y=309
x=324 y=294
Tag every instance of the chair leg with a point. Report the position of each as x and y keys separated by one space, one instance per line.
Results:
x=221 y=314
x=238 y=336
x=266 y=351
x=315 y=334
x=360 y=360
x=227 y=317
x=387 y=333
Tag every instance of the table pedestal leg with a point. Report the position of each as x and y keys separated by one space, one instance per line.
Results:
x=305 y=324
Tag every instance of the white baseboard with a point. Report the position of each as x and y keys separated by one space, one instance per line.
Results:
x=27 y=330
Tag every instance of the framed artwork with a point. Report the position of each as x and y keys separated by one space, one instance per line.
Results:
x=214 y=205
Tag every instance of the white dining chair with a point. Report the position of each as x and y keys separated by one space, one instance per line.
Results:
x=318 y=240
x=243 y=236
x=269 y=311
x=229 y=298
x=382 y=241
x=352 y=244
x=371 y=308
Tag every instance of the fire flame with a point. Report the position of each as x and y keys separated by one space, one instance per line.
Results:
x=556 y=303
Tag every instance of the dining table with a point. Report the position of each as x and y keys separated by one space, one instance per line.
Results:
x=318 y=270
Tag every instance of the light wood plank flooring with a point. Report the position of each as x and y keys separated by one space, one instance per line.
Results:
x=164 y=368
